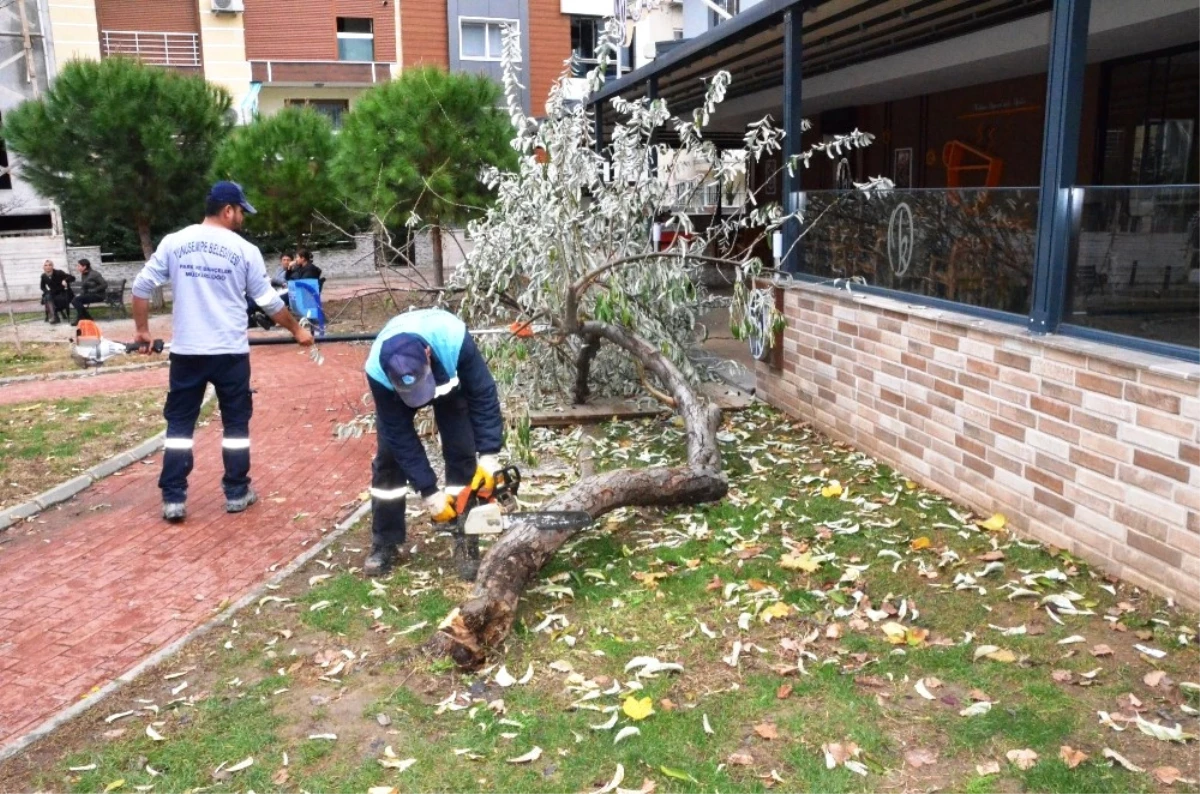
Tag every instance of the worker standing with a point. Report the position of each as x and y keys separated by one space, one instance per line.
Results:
x=212 y=271
x=421 y=358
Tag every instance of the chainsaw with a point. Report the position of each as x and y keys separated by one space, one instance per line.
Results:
x=492 y=511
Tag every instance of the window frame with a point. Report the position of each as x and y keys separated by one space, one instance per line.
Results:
x=341 y=36
x=486 y=22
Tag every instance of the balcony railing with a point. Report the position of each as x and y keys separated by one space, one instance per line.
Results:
x=177 y=50
x=309 y=73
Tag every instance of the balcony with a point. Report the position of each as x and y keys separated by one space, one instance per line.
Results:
x=172 y=50
x=320 y=73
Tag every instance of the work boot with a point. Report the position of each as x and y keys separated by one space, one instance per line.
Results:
x=381 y=559
x=241 y=503
x=174 y=511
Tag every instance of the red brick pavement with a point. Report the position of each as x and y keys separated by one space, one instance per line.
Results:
x=100 y=583
x=72 y=388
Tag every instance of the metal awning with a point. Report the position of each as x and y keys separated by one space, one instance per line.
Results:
x=836 y=34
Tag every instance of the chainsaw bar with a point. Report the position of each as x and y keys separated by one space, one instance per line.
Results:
x=552 y=520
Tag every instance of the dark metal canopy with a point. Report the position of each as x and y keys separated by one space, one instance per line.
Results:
x=836 y=34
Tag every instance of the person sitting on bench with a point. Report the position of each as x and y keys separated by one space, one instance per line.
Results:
x=304 y=267
x=56 y=292
x=92 y=289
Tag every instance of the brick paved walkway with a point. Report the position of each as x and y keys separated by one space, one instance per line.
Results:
x=98 y=584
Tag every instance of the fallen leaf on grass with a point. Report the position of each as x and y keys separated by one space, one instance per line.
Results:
x=383 y=790
x=637 y=709
x=707 y=728
x=503 y=678
x=992 y=556
x=1023 y=759
x=776 y=610
x=834 y=489
x=87 y=768
x=920 y=757
x=799 y=562
x=678 y=774
x=995 y=523
x=616 y=780
x=923 y=686
x=328 y=737
x=976 y=709
x=1169 y=775
x=1153 y=679
x=529 y=757
x=1162 y=732
x=767 y=730
x=1122 y=760
x=391 y=761
x=898 y=634
x=783 y=692
x=995 y=653
x=741 y=759
x=154 y=735
x=1062 y=676
x=1071 y=757
x=920 y=543
x=626 y=732
x=988 y=768
x=1101 y=650
x=113 y=786
x=281 y=777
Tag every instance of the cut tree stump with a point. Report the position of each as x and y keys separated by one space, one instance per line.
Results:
x=726 y=397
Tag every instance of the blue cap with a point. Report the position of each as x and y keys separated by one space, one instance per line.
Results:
x=230 y=193
x=406 y=363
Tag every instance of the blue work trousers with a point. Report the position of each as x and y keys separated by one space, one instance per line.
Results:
x=230 y=376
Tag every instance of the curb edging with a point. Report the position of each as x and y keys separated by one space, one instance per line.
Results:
x=105 y=468
x=65 y=490
x=162 y=654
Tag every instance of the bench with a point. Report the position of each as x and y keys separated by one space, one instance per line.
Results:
x=114 y=297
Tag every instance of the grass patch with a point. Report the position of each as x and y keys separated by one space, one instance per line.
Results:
x=47 y=442
x=764 y=689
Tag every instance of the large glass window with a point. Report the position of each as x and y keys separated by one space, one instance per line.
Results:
x=356 y=39
x=482 y=39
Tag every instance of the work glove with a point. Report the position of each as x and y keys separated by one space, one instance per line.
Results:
x=441 y=507
x=485 y=473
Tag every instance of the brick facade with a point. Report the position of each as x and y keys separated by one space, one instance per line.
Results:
x=1081 y=445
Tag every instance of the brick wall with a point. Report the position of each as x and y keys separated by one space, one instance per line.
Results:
x=549 y=46
x=1084 y=446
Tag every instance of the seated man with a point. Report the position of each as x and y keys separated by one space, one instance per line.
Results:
x=56 y=292
x=283 y=274
x=92 y=289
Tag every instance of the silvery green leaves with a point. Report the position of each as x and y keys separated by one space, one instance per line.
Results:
x=623 y=234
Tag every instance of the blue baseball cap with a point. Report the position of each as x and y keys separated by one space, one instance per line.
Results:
x=230 y=193
x=406 y=364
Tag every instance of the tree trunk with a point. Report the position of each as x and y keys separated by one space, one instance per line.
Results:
x=143 y=230
x=515 y=558
x=439 y=265
x=583 y=368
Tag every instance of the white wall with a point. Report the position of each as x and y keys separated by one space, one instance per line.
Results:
x=23 y=257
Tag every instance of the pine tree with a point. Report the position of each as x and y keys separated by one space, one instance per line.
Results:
x=416 y=147
x=116 y=142
x=283 y=163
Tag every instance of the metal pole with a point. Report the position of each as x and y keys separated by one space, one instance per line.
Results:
x=1060 y=160
x=793 y=121
x=12 y=317
x=30 y=69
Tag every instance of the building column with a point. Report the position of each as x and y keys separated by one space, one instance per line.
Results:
x=223 y=52
x=1060 y=162
x=793 y=120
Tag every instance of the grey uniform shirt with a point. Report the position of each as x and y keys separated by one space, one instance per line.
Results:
x=212 y=271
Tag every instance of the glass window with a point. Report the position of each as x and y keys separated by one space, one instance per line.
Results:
x=356 y=39
x=474 y=40
x=482 y=39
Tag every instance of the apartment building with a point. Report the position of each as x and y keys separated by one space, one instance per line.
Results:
x=30 y=227
x=324 y=53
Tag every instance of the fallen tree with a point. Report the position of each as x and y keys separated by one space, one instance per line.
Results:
x=597 y=249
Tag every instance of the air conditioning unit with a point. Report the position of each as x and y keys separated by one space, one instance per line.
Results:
x=228 y=6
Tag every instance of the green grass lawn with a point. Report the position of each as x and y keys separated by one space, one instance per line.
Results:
x=47 y=442
x=831 y=638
